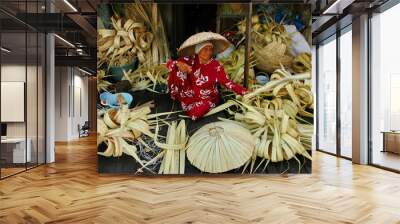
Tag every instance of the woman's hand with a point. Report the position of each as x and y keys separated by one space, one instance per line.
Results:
x=184 y=67
x=247 y=91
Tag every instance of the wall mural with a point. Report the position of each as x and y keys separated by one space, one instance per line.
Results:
x=179 y=93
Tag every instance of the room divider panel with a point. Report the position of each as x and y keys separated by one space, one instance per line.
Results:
x=22 y=77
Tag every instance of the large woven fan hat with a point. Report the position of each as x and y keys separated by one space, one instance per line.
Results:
x=220 y=146
x=188 y=47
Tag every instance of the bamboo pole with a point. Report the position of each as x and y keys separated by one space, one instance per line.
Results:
x=248 y=44
x=154 y=14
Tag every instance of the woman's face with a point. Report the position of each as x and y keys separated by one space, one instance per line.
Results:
x=206 y=53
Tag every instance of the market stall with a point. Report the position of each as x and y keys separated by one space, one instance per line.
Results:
x=262 y=118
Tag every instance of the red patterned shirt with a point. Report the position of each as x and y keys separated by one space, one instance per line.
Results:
x=201 y=83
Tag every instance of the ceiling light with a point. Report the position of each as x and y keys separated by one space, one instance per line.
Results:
x=70 y=5
x=5 y=50
x=64 y=40
x=331 y=7
x=84 y=71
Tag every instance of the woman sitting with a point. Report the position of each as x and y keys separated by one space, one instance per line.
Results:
x=193 y=81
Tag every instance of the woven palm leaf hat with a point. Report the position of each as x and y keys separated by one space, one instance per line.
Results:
x=220 y=146
x=188 y=47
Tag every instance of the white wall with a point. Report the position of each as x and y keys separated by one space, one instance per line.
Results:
x=34 y=125
x=16 y=73
x=80 y=110
x=70 y=83
x=61 y=115
x=10 y=73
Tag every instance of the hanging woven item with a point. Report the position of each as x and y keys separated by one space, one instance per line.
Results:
x=272 y=56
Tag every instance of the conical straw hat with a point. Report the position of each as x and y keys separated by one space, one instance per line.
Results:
x=188 y=47
x=220 y=146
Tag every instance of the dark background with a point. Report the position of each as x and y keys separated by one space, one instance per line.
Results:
x=183 y=20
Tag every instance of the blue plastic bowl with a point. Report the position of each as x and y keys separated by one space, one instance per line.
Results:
x=111 y=99
x=262 y=79
x=117 y=72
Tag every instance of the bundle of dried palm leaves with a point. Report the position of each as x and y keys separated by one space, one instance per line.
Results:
x=119 y=127
x=271 y=43
x=148 y=14
x=172 y=155
x=147 y=78
x=126 y=41
x=102 y=83
x=302 y=63
x=140 y=35
x=277 y=115
x=234 y=65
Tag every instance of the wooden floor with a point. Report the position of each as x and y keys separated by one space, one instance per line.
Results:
x=71 y=191
x=10 y=171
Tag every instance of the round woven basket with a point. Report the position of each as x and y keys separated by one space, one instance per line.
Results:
x=272 y=56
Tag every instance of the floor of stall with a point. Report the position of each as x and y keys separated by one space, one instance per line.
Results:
x=163 y=103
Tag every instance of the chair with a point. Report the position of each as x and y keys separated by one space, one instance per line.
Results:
x=84 y=130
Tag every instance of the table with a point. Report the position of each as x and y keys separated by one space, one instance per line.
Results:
x=18 y=149
x=391 y=141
